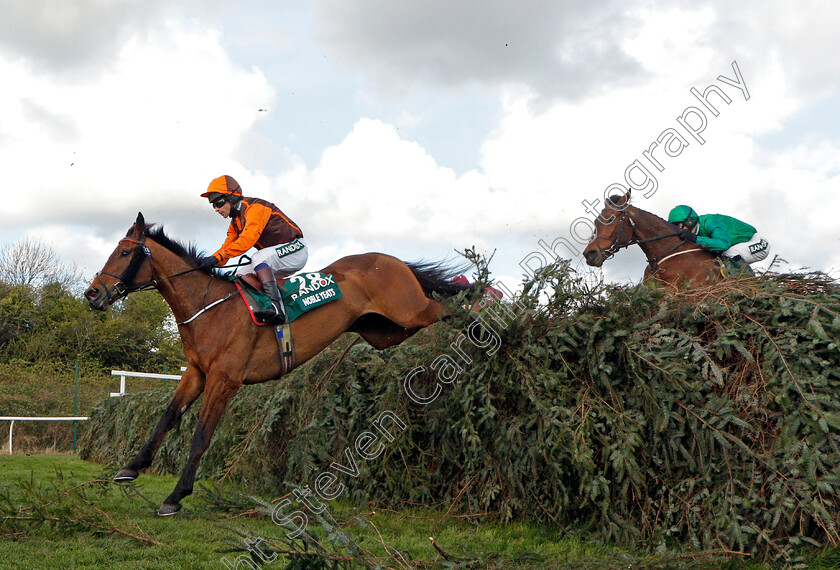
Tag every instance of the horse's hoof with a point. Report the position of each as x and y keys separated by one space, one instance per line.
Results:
x=125 y=475
x=168 y=510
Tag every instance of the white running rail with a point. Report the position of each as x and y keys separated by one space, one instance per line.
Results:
x=14 y=419
x=123 y=374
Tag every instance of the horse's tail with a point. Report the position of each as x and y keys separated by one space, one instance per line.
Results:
x=436 y=277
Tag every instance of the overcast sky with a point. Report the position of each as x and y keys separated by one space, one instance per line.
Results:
x=417 y=128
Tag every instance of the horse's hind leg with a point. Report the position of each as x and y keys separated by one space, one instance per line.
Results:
x=220 y=389
x=189 y=389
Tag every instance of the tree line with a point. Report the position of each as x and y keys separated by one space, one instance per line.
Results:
x=44 y=318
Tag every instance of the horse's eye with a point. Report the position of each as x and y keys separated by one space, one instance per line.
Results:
x=124 y=253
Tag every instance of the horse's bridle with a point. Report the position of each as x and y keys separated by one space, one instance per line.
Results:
x=615 y=247
x=122 y=287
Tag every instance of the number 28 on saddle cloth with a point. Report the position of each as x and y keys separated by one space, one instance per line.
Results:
x=301 y=293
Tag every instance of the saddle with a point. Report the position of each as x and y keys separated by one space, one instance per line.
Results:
x=253 y=281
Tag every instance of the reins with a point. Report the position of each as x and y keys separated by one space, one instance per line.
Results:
x=122 y=289
x=205 y=309
x=656 y=261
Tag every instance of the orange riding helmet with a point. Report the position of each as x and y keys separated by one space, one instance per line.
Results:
x=223 y=185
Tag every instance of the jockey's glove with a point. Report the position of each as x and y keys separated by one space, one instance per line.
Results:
x=687 y=235
x=208 y=261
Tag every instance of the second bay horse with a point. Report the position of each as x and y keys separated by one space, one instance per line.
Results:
x=383 y=299
x=671 y=260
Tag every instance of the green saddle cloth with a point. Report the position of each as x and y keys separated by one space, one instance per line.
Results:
x=301 y=293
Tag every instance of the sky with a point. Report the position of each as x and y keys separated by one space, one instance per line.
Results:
x=421 y=129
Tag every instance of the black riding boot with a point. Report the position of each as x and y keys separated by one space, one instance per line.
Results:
x=273 y=315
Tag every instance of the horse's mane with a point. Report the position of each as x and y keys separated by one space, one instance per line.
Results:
x=188 y=253
x=631 y=208
x=658 y=219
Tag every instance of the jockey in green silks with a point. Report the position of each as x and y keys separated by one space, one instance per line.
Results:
x=721 y=234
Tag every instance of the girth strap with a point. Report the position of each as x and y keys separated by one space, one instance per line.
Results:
x=676 y=254
x=286 y=344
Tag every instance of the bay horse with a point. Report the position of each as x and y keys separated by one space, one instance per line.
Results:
x=671 y=260
x=383 y=299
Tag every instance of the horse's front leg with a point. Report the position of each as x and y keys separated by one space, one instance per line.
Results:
x=189 y=389
x=220 y=389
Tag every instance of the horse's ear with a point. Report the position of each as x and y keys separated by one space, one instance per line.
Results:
x=139 y=224
x=618 y=200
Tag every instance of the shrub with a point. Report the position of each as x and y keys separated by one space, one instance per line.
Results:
x=638 y=414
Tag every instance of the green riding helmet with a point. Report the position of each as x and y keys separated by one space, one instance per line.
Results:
x=684 y=215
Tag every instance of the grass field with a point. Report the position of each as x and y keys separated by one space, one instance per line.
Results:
x=61 y=512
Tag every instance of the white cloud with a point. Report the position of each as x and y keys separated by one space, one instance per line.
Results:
x=376 y=187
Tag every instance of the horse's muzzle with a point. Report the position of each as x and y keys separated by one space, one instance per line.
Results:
x=594 y=257
x=97 y=298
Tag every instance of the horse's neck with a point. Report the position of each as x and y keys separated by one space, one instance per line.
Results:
x=649 y=226
x=188 y=293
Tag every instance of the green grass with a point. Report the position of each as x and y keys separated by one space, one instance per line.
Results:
x=200 y=535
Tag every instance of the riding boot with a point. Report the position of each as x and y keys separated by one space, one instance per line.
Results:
x=273 y=315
